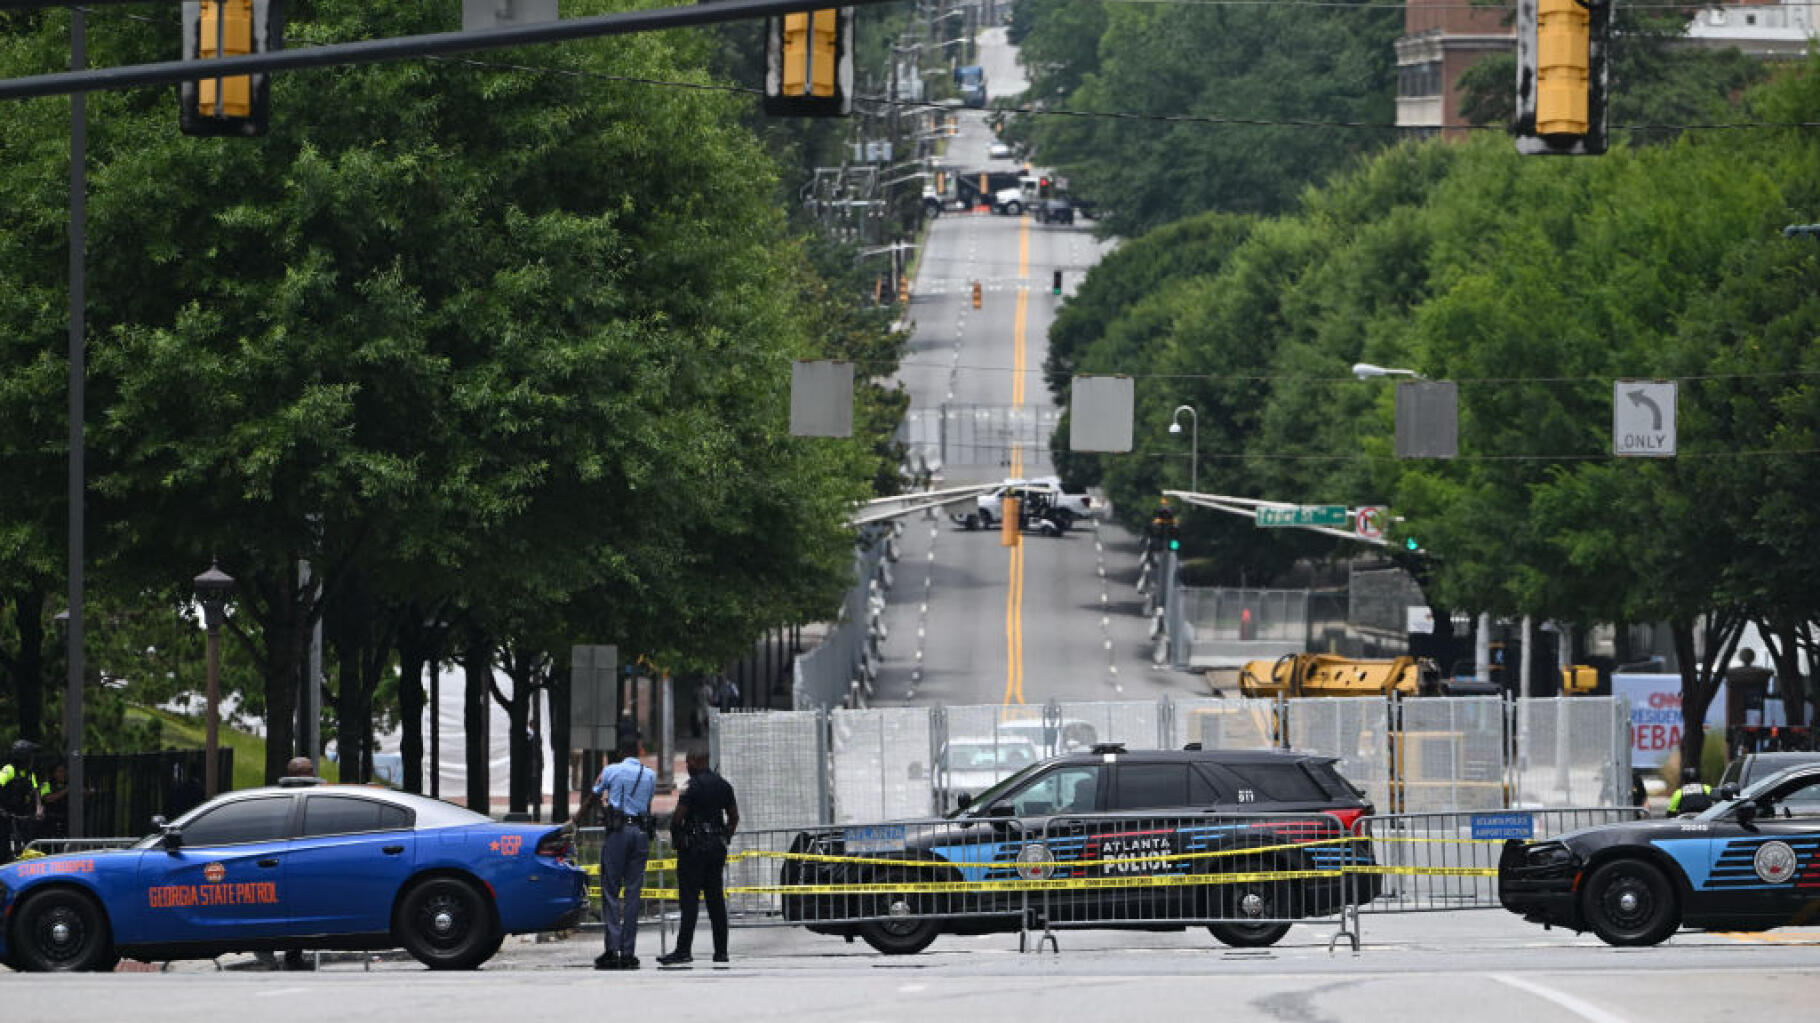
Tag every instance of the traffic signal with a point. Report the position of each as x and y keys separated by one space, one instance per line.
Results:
x=809 y=63
x=236 y=105
x=1562 y=47
x=1412 y=544
x=1172 y=533
x=1056 y=287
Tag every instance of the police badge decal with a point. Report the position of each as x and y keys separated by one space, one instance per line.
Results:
x=1774 y=862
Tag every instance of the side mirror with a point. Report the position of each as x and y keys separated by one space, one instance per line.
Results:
x=1728 y=791
x=1001 y=810
x=964 y=801
x=1745 y=813
x=158 y=822
x=172 y=839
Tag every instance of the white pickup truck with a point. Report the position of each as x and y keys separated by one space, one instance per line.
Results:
x=1067 y=508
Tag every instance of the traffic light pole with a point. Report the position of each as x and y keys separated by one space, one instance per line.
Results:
x=374 y=51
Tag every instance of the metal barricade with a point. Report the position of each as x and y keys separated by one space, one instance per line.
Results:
x=1432 y=862
x=883 y=763
x=1247 y=878
x=59 y=846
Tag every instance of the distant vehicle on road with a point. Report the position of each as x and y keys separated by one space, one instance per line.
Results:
x=971 y=79
x=276 y=869
x=999 y=151
x=1751 y=768
x=1055 y=211
x=1068 y=508
x=1069 y=735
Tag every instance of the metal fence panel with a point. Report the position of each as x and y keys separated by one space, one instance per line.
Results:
x=881 y=763
x=825 y=675
x=1573 y=749
x=1448 y=861
x=1136 y=723
x=1450 y=754
x=1227 y=724
x=1356 y=730
x=779 y=763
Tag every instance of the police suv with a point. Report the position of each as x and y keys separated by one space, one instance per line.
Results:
x=1240 y=841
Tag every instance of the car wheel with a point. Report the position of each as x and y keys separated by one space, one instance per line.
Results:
x=900 y=936
x=446 y=924
x=1065 y=519
x=1250 y=900
x=60 y=931
x=1014 y=208
x=985 y=518
x=972 y=521
x=1630 y=902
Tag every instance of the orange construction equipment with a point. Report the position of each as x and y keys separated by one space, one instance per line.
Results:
x=903 y=288
x=1333 y=675
x=1011 y=531
x=976 y=294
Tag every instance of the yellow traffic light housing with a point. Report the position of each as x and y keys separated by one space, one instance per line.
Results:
x=809 y=63
x=233 y=104
x=1579 y=678
x=1561 y=76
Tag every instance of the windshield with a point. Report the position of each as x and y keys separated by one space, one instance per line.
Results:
x=996 y=792
x=1759 y=791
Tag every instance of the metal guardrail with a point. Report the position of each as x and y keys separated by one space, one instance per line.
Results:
x=1247 y=878
x=1449 y=861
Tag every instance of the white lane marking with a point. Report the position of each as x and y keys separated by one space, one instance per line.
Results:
x=281 y=992
x=910 y=989
x=1579 y=1007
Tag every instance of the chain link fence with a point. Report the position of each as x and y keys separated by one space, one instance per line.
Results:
x=1424 y=754
x=979 y=435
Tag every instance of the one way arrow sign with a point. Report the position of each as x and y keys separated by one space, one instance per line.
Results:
x=1643 y=418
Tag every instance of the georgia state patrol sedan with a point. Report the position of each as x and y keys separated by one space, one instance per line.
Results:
x=1749 y=863
x=328 y=867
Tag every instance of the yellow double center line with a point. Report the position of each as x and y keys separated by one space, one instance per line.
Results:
x=1014 y=591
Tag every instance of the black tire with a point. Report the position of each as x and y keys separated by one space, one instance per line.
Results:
x=1249 y=935
x=1014 y=208
x=61 y=931
x=985 y=518
x=447 y=924
x=1630 y=902
x=973 y=521
x=1064 y=518
x=899 y=937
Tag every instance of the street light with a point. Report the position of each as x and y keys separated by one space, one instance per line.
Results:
x=1194 y=443
x=212 y=589
x=1365 y=371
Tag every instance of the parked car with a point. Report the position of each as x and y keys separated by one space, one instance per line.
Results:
x=1750 y=768
x=1749 y=863
x=974 y=765
x=1051 y=737
x=1055 y=211
x=1068 y=508
x=999 y=151
x=276 y=869
x=1119 y=814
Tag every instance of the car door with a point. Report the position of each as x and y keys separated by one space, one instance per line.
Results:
x=1772 y=870
x=225 y=881
x=1151 y=800
x=347 y=862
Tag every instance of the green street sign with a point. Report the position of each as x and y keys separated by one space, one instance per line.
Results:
x=1306 y=515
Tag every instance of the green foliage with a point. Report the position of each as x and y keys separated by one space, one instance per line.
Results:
x=1256 y=66
x=512 y=343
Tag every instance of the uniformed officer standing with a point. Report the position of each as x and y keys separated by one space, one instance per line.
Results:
x=21 y=798
x=706 y=817
x=625 y=788
x=1692 y=796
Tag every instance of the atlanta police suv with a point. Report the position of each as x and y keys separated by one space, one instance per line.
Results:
x=1241 y=841
x=1751 y=862
x=329 y=867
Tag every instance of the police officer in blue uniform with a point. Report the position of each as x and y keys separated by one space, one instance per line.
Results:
x=625 y=789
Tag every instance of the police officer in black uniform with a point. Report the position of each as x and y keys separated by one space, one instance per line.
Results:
x=705 y=819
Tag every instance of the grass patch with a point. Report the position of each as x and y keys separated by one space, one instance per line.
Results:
x=249 y=750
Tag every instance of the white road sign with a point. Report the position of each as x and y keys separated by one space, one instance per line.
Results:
x=1368 y=521
x=1643 y=418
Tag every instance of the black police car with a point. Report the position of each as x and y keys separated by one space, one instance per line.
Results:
x=1748 y=863
x=1117 y=814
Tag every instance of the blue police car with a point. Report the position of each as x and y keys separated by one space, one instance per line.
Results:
x=330 y=867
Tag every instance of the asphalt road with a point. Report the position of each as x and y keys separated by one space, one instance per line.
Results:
x=1485 y=966
x=971 y=621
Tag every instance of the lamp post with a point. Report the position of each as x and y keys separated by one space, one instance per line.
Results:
x=1194 y=443
x=212 y=589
